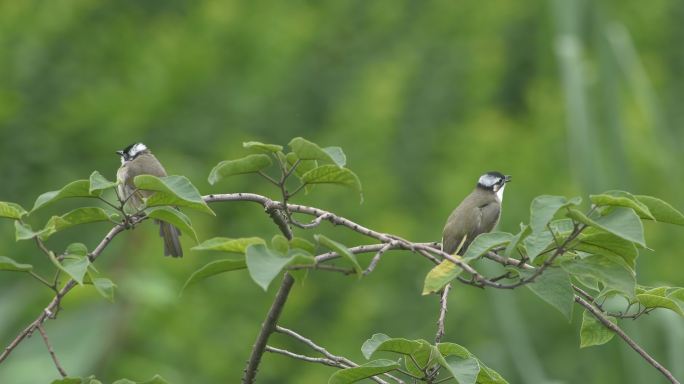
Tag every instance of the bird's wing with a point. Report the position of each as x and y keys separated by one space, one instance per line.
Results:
x=489 y=217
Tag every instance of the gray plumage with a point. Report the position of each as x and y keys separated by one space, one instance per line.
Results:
x=138 y=160
x=478 y=213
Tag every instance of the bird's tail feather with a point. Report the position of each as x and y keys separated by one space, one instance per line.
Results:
x=170 y=234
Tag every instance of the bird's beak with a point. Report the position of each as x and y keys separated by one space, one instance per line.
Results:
x=507 y=178
x=120 y=153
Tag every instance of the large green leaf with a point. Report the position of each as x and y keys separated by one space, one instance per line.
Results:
x=214 y=268
x=175 y=217
x=11 y=210
x=337 y=155
x=536 y=243
x=622 y=222
x=104 y=287
x=264 y=264
x=172 y=191
x=75 y=266
x=226 y=244
x=78 y=188
x=341 y=250
x=77 y=216
x=23 y=231
x=464 y=370
x=554 y=287
x=658 y=301
x=512 y=246
x=303 y=167
x=661 y=211
x=593 y=332
x=486 y=375
x=99 y=183
x=261 y=147
x=622 y=199
x=544 y=207
x=7 y=264
x=485 y=242
x=332 y=174
x=306 y=150
x=383 y=343
x=612 y=271
x=604 y=243
x=372 y=368
x=248 y=164
x=441 y=275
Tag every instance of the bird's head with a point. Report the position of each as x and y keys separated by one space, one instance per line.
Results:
x=494 y=181
x=131 y=152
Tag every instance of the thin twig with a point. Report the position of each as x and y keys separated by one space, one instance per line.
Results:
x=442 y=313
x=613 y=327
x=51 y=351
x=266 y=329
x=376 y=259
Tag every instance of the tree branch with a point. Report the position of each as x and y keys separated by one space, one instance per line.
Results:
x=266 y=329
x=442 y=313
x=51 y=351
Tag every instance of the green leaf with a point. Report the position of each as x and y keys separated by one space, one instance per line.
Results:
x=228 y=245
x=104 y=287
x=23 y=231
x=77 y=216
x=11 y=210
x=611 y=271
x=337 y=155
x=154 y=380
x=655 y=301
x=306 y=150
x=248 y=164
x=264 y=264
x=332 y=174
x=99 y=183
x=261 y=147
x=622 y=222
x=383 y=343
x=661 y=211
x=68 y=380
x=593 y=332
x=303 y=167
x=78 y=188
x=554 y=287
x=464 y=370
x=536 y=243
x=78 y=249
x=544 y=207
x=173 y=191
x=441 y=275
x=341 y=250
x=7 y=264
x=76 y=267
x=525 y=231
x=489 y=376
x=422 y=358
x=369 y=346
x=303 y=244
x=604 y=243
x=485 y=242
x=173 y=216
x=214 y=268
x=622 y=199
x=280 y=243
x=372 y=368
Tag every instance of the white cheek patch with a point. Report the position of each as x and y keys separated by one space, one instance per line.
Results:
x=499 y=193
x=488 y=180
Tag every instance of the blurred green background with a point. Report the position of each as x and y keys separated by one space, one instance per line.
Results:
x=570 y=97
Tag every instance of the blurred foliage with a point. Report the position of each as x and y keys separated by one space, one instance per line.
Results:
x=568 y=96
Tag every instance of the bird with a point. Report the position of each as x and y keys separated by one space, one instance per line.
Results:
x=137 y=159
x=478 y=213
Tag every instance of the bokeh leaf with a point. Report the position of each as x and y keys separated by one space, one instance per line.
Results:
x=248 y=164
x=11 y=210
x=7 y=264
